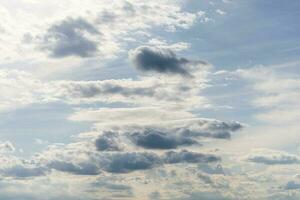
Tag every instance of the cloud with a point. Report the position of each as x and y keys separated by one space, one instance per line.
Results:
x=211 y=169
x=272 y=157
x=74 y=168
x=109 y=87
x=154 y=139
x=23 y=171
x=292 y=185
x=7 y=147
x=20 y=88
x=147 y=91
x=205 y=196
x=152 y=59
x=108 y=141
x=131 y=161
x=275 y=90
x=185 y=156
x=71 y=37
x=116 y=190
x=221 y=12
x=169 y=134
x=137 y=115
x=209 y=128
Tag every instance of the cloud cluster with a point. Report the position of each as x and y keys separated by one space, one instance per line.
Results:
x=101 y=29
x=60 y=27
x=145 y=90
x=168 y=135
x=117 y=149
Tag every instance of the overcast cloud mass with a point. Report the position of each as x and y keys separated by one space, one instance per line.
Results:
x=158 y=100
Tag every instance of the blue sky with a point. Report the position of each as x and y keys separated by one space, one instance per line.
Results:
x=134 y=99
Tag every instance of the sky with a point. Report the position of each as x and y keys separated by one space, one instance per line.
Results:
x=158 y=100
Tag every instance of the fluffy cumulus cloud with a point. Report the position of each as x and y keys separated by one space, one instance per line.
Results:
x=7 y=147
x=159 y=60
x=71 y=37
x=108 y=141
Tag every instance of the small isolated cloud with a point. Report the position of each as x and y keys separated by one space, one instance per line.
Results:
x=71 y=37
x=221 y=12
x=272 y=157
x=7 y=147
x=160 y=60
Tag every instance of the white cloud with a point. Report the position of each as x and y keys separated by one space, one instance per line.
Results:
x=221 y=12
x=137 y=115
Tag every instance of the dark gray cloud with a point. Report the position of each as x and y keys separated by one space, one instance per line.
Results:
x=107 y=89
x=79 y=169
x=185 y=156
x=209 y=128
x=170 y=136
x=224 y=126
x=90 y=90
x=69 y=38
x=210 y=134
x=154 y=139
x=153 y=59
x=131 y=161
x=108 y=141
x=274 y=161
